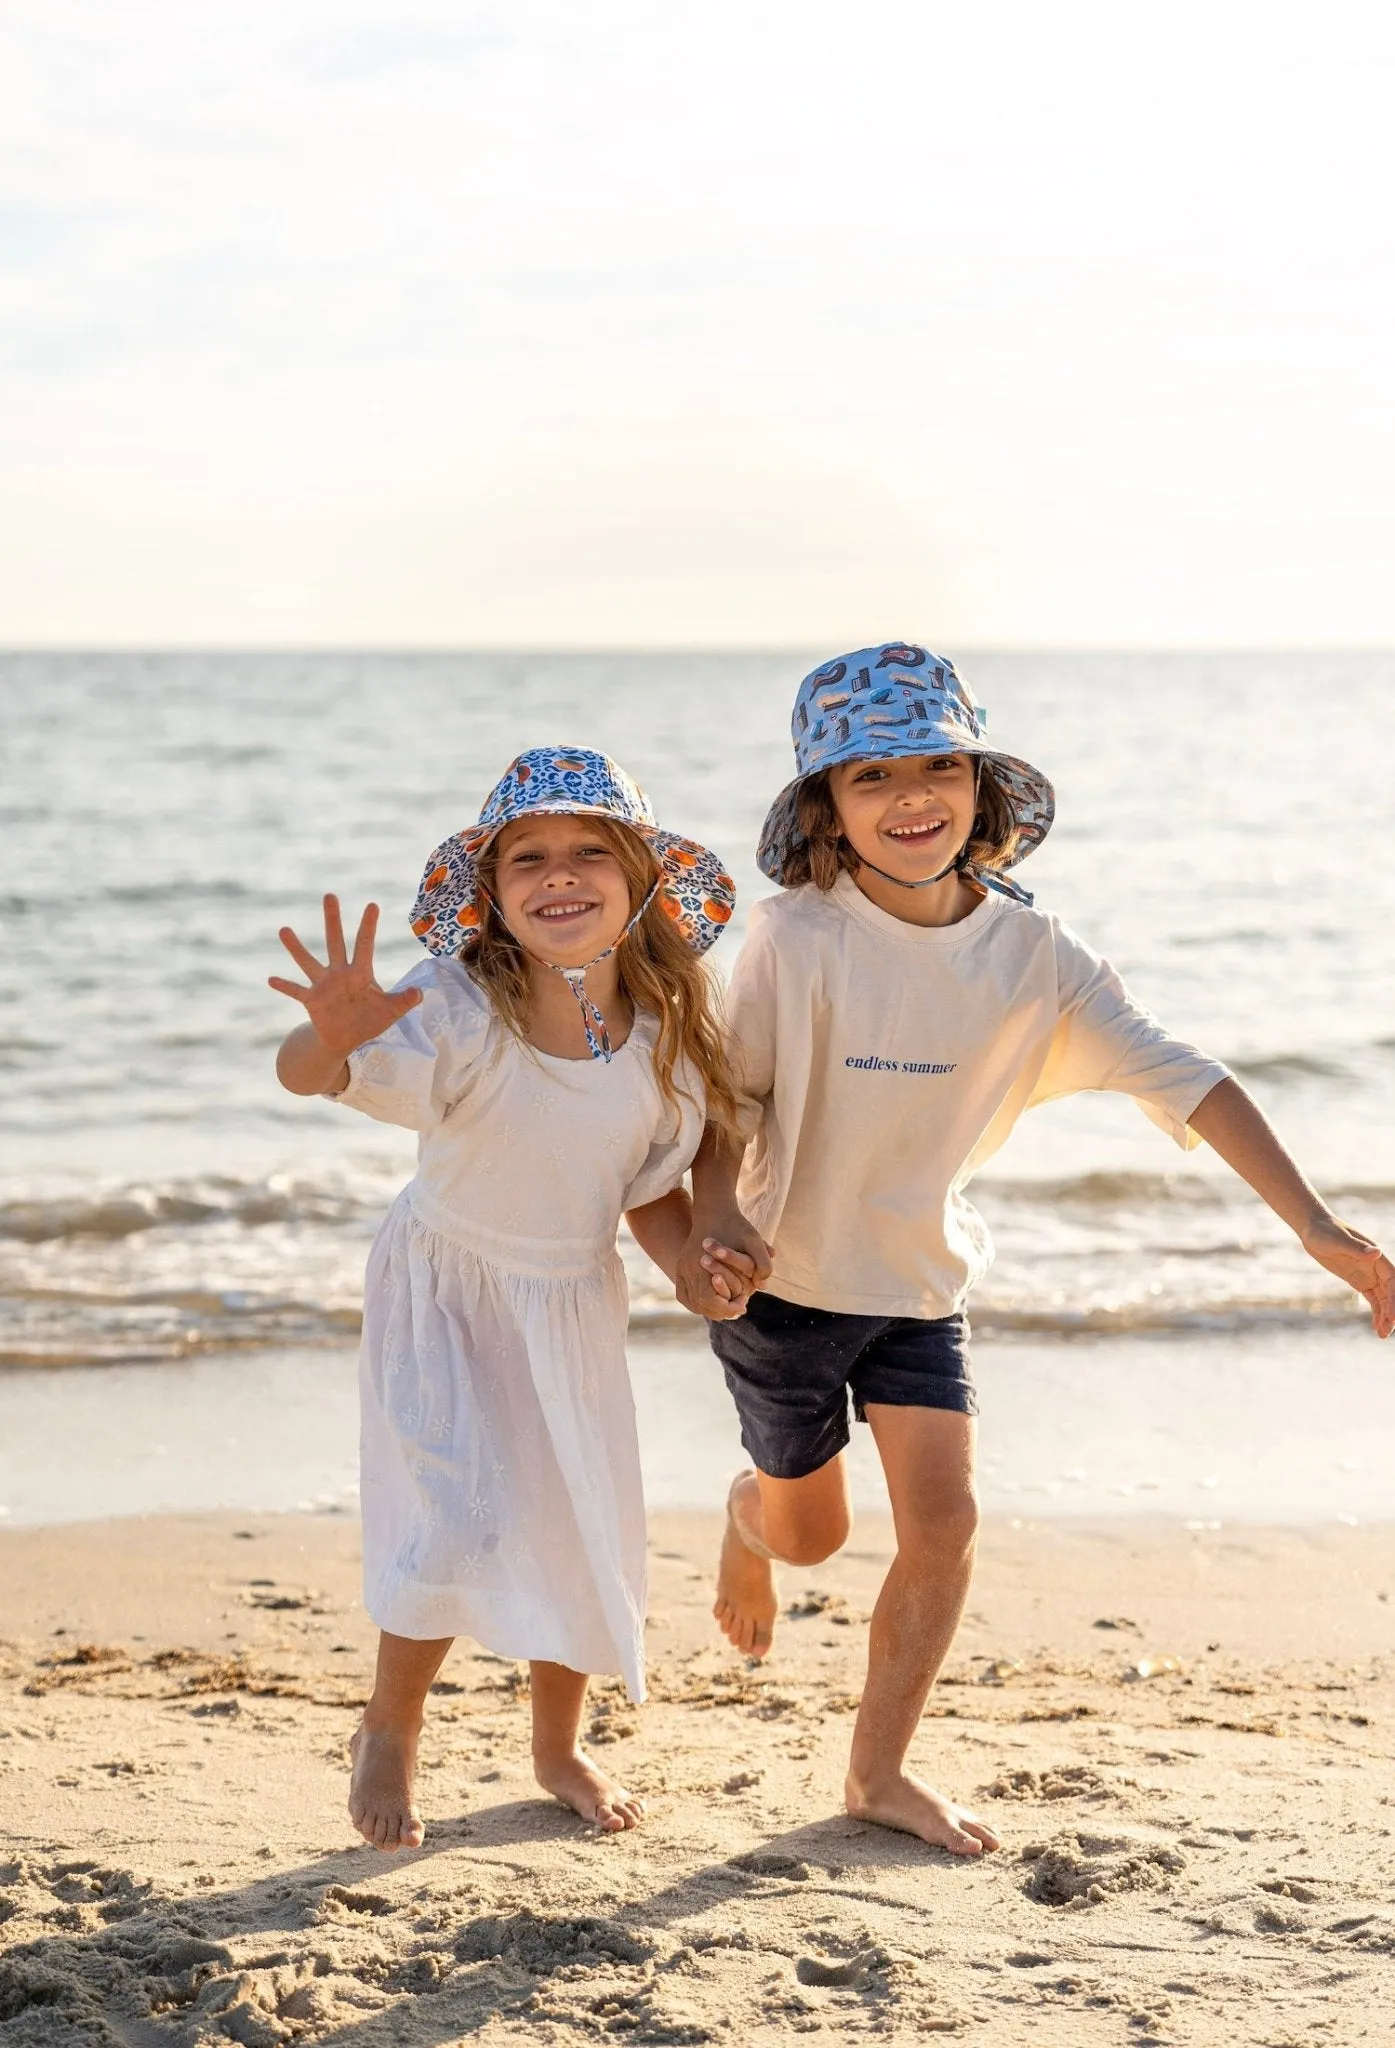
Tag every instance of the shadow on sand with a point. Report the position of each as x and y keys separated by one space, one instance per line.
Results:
x=457 y=1932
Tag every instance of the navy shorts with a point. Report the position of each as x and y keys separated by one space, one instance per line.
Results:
x=791 y=1370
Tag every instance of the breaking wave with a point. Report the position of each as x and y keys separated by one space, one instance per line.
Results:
x=1106 y=1189
x=121 y=1211
x=1301 y=1311
x=166 y=1269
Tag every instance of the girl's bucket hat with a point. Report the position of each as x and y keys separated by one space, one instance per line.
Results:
x=890 y=702
x=692 y=886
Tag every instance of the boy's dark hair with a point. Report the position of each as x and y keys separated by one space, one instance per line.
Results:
x=821 y=850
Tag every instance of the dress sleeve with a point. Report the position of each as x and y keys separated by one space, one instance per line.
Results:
x=751 y=1023
x=413 y=1073
x=1106 y=1040
x=673 y=1146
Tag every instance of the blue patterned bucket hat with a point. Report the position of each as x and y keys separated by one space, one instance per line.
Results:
x=891 y=702
x=692 y=886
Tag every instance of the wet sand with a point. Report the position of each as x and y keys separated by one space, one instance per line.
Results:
x=1278 y=1426
x=1202 y=1855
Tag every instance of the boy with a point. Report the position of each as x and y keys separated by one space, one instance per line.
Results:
x=893 y=1012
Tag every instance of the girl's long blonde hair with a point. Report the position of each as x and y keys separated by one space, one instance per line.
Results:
x=659 y=973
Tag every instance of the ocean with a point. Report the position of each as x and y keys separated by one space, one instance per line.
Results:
x=1222 y=836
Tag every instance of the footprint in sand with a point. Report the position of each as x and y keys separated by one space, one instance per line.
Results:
x=1057 y=1781
x=1077 y=1870
x=541 y=1944
x=858 y=1973
x=338 y=1902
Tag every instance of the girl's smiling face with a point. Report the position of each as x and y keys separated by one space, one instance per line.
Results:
x=560 y=888
x=910 y=817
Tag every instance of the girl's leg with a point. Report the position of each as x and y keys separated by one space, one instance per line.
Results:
x=790 y=1521
x=928 y=1457
x=384 y=1751
x=561 y=1765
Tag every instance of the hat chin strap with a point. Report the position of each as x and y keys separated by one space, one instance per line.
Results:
x=592 y=1019
x=961 y=864
x=956 y=866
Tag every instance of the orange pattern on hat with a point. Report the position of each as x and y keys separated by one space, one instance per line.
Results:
x=694 y=890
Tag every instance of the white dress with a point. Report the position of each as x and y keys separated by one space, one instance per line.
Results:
x=501 y=1486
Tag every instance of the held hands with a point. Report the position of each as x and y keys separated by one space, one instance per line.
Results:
x=712 y=1271
x=344 y=1003
x=729 y=1283
x=1362 y=1264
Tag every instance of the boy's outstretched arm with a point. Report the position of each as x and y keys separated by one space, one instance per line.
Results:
x=1233 y=1124
x=718 y=1223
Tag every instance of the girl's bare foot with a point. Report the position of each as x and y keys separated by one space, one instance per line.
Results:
x=746 y=1605
x=901 y=1801
x=574 y=1779
x=380 y=1787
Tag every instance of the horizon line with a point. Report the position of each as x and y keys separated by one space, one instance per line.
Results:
x=670 y=649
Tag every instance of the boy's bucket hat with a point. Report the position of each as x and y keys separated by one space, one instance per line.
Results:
x=692 y=886
x=890 y=702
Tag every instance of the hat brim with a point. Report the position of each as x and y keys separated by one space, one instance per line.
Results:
x=695 y=890
x=1028 y=791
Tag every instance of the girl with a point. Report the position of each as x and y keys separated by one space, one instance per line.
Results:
x=894 y=1012
x=557 y=1053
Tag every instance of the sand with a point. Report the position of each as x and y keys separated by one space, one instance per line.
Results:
x=1201 y=1855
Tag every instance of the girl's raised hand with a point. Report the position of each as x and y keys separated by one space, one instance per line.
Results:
x=343 y=1001
x=1362 y=1264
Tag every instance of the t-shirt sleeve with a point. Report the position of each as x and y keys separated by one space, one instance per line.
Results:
x=413 y=1073
x=752 y=1017
x=673 y=1147
x=1105 y=1040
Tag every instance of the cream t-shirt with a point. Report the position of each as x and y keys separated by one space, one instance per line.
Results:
x=884 y=1062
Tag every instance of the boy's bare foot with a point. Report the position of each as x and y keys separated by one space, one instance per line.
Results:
x=380 y=1788
x=746 y=1605
x=901 y=1801
x=574 y=1779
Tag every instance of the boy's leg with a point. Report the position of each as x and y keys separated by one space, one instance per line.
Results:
x=928 y=1457
x=384 y=1751
x=560 y=1765
x=792 y=1521
x=787 y=1367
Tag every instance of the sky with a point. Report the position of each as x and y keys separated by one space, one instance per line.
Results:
x=530 y=322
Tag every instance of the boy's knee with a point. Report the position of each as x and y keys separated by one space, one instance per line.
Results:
x=813 y=1549
x=946 y=1526
x=809 y=1542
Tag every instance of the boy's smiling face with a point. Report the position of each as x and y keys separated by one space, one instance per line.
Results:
x=910 y=817
x=561 y=888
